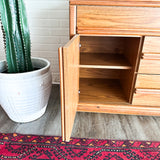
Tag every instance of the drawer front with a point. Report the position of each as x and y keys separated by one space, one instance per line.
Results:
x=151 y=45
x=149 y=66
x=146 y=97
x=122 y=18
x=148 y=81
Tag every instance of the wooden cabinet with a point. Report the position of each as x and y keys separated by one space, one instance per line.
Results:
x=112 y=62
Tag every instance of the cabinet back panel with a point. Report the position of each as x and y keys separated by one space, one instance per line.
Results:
x=99 y=73
x=96 y=44
x=101 y=91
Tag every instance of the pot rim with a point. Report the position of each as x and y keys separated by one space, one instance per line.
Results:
x=29 y=72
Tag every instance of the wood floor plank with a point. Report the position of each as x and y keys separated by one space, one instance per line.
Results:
x=6 y=125
x=87 y=125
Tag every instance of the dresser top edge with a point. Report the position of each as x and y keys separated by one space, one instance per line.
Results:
x=134 y=3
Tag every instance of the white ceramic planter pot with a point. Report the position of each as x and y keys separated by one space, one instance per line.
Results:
x=24 y=96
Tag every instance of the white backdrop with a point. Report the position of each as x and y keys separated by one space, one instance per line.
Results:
x=49 y=27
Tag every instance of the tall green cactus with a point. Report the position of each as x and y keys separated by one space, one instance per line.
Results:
x=16 y=35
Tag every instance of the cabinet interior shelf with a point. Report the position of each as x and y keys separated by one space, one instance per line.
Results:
x=104 y=61
x=101 y=91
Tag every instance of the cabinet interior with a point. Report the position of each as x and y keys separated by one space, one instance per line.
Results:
x=107 y=68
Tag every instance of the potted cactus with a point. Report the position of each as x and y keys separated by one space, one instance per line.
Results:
x=25 y=82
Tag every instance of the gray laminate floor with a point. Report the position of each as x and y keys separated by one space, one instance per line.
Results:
x=88 y=125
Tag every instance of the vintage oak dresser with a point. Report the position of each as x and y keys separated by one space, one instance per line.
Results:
x=112 y=62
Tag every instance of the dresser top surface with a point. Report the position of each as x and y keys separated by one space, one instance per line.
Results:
x=143 y=3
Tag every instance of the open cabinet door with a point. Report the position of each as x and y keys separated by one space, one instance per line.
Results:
x=69 y=85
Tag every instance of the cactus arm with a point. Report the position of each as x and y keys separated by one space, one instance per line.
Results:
x=25 y=34
x=6 y=17
x=16 y=34
x=17 y=39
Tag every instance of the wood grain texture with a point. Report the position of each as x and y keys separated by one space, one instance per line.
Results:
x=140 y=3
x=72 y=20
x=102 y=60
x=116 y=31
x=100 y=73
x=111 y=126
x=149 y=66
x=102 y=44
x=105 y=17
x=107 y=95
x=151 y=56
x=131 y=53
x=71 y=83
x=148 y=81
x=61 y=70
x=147 y=97
x=151 y=44
x=101 y=91
x=137 y=109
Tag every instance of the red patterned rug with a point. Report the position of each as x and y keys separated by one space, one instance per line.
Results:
x=18 y=146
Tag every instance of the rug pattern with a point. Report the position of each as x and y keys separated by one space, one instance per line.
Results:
x=18 y=146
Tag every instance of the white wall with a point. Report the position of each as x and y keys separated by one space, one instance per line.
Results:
x=49 y=27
